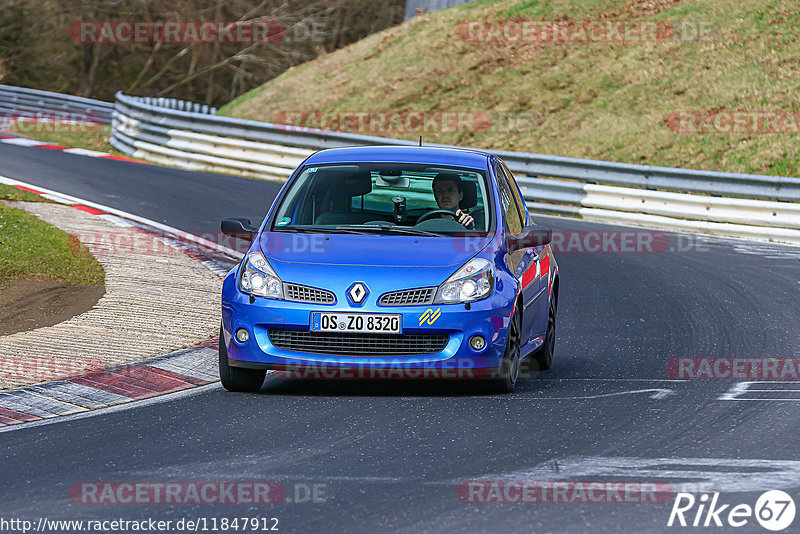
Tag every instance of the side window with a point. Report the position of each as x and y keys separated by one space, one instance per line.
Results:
x=515 y=195
x=508 y=203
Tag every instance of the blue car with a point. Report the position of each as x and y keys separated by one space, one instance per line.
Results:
x=391 y=262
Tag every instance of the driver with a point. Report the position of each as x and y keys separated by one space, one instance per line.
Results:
x=448 y=191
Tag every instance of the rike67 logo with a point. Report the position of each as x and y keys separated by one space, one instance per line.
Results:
x=774 y=510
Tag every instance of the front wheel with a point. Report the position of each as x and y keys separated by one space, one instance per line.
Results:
x=236 y=378
x=508 y=372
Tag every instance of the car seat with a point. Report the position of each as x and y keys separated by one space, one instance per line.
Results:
x=338 y=188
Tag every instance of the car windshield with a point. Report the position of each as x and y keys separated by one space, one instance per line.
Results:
x=387 y=198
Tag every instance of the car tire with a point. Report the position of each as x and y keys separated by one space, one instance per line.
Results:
x=507 y=374
x=543 y=358
x=236 y=378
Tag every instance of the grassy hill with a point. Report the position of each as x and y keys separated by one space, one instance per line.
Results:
x=606 y=100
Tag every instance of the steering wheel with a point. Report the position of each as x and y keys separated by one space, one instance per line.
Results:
x=435 y=213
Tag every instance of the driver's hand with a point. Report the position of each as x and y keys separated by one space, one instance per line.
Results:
x=465 y=219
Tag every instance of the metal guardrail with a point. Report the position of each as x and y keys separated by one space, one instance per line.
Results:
x=190 y=135
x=752 y=206
x=146 y=115
x=142 y=112
x=177 y=104
x=33 y=103
x=648 y=177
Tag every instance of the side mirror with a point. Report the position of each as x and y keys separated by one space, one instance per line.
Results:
x=531 y=236
x=239 y=228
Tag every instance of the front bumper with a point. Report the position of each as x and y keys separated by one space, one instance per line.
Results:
x=488 y=318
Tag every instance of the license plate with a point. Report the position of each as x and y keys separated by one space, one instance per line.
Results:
x=373 y=323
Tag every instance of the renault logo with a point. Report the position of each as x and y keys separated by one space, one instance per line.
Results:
x=357 y=293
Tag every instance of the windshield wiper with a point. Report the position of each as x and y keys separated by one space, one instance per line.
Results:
x=318 y=230
x=392 y=229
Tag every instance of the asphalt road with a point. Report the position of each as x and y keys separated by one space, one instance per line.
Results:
x=391 y=456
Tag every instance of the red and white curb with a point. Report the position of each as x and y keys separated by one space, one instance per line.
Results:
x=182 y=370
x=27 y=142
x=177 y=371
x=217 y=258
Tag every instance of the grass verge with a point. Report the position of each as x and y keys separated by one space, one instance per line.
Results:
x=34 y=250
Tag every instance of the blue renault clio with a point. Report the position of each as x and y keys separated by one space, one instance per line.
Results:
x=391 y=262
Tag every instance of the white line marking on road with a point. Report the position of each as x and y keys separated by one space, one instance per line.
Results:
x=656 y=394
x=612 y=379
x=715 y=474
x=740 y=389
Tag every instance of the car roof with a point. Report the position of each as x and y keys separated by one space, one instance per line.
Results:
x=403 y=154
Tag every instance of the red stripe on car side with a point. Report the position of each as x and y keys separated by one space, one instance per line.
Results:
x=529 y=275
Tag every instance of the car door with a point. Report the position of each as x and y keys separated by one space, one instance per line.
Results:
x=534 y=271
x=520 y=262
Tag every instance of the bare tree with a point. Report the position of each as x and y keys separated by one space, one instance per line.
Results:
x=38 y=45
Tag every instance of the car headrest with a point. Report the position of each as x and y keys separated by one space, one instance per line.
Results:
x=470 y=199
x=347 y=183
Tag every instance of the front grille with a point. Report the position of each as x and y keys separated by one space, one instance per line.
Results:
x=408 y=297
x=341 y=344
x=312 y=295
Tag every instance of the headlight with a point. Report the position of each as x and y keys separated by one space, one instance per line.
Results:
x=473 y=281
x=259 y=279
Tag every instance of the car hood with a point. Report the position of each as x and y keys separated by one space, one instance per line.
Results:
x=410 y=261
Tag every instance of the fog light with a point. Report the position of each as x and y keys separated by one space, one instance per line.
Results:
x=477 y=342
x=242 y=335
